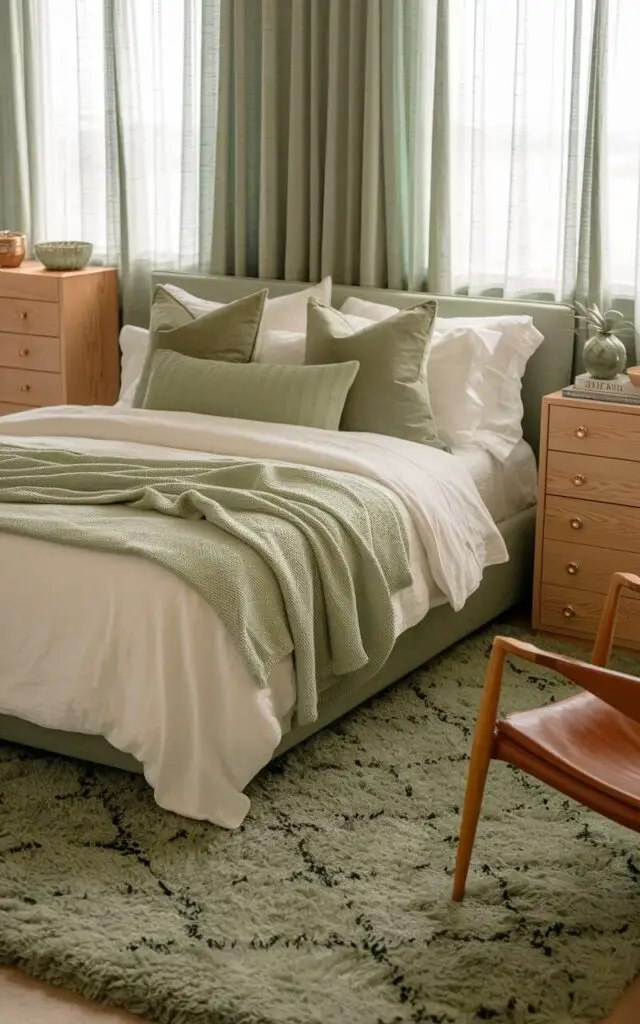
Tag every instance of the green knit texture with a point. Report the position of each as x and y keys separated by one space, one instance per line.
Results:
x=292 y=558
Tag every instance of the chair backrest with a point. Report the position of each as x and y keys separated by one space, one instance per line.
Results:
x=617 y=689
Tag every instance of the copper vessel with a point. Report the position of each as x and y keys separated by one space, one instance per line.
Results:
x=13 y=247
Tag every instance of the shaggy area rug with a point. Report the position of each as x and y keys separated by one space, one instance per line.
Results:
x=332 y=903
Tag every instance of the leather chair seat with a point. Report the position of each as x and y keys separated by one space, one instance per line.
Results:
x=581 y=737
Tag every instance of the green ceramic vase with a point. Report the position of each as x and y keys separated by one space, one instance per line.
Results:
x=604 y=356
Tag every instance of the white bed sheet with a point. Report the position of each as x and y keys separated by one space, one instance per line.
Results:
x=505 y=487
x=105 y=644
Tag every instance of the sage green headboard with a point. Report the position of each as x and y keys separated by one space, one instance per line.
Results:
x=548 y=370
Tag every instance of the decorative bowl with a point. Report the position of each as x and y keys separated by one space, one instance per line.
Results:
x=13 y=246
x=64 y=255
x=633 y=373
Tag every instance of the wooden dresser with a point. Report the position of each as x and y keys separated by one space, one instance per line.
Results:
x=58 y=337
x=588 y=523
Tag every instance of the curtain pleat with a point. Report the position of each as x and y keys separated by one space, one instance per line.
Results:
x=438 y=230
x=16 y=198
x=590 y=274
x=333 y=139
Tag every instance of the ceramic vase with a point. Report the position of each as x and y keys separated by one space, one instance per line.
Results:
x=604 y=356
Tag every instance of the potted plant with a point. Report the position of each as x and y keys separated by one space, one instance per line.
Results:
x=604 y=354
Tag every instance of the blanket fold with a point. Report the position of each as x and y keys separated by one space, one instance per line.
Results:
x=291 y=557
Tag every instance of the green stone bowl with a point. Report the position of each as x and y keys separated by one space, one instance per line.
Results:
x=64 y=255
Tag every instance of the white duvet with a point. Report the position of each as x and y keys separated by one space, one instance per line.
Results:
x=113 y=645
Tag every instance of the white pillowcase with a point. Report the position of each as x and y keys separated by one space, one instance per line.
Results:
x=281 y=347
x=134 y=345
x=476 y=366
x=454 y=378
x=499 y=384
x=368 y=310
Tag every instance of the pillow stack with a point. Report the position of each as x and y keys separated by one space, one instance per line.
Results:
x=228 y=333
x=198 y=358
x=476 y=366
x=369 y=367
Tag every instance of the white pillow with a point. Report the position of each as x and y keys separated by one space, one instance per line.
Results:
x=454 y=378
x=134 y=344
x=499 y=384
x=281 y=347
x=368 y=310
x=289 y=312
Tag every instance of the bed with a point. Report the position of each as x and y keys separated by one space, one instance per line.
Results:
x=508 y=492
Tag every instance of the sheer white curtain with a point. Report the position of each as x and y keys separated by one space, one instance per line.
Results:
x=120 y=104
x=519 y=73
x=544 y=145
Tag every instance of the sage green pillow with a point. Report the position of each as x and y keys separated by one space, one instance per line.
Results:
x=228 y=333
x=309 y=396
x=390 y=394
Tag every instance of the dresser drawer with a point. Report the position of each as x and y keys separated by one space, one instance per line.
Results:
x=593 y=523
x=611 y=433
x=30 y=387
x=25 y=316
x=30 y=352
x=566 y=610
x=584 y=568
x=30 y=281
x=8 y=407
x=593 y=477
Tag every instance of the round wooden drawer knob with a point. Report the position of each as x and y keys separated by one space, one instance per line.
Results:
x=24 y=352
x=581 y=432
x=576 y=523
x=568 y=611
x=572 y=568
x=579 y=479
x=23 y=316
x=26 y=387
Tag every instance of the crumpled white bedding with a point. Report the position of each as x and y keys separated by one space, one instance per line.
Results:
x=108 y=644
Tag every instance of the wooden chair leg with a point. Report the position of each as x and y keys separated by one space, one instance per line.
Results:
x=604 y=636
x=481 y=752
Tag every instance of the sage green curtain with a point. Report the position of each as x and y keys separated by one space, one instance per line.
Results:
x=326 y=117
x=477 y=146
x=15 y=184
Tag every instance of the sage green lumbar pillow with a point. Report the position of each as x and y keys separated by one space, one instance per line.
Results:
x=228 y=333
x=309 y=396
x=390 y=394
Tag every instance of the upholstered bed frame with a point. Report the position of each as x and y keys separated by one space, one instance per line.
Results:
x=503 y=585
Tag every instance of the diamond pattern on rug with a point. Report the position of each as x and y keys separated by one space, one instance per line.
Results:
x=331 y=904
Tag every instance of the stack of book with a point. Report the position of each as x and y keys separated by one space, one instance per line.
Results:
x=620 y=389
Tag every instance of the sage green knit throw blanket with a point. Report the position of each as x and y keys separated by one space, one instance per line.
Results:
x=292 y=558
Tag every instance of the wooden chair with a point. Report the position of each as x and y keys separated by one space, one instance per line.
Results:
x=587 y=747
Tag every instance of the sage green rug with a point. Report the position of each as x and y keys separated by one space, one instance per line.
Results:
x=332 y=903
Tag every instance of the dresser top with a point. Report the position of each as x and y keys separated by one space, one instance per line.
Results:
x=557 y=398
x=36 y=269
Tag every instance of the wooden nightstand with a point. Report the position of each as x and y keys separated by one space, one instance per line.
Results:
x=58 y=337
x=588 y=520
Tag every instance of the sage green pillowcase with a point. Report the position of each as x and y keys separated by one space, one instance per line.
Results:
x=390 y=394
x=309 y=396
x=228 y=334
